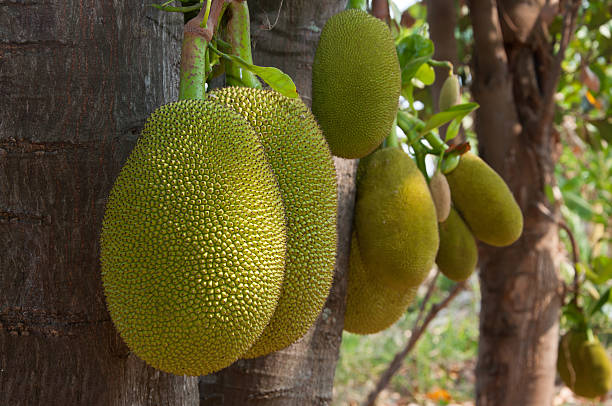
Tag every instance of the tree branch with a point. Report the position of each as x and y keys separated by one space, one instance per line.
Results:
x=417 y=332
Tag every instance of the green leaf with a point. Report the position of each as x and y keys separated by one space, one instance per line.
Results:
x=578 y=205
x=274 y=77
x=425 y=74
x=413 y=51
x=602 y=301
x=574 y=315
x=602 y=270
x=452 y=130
x=456 y=112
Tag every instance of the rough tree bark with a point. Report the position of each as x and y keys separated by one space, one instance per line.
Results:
x=515 y=73
x=78 y=79
x=285 y=35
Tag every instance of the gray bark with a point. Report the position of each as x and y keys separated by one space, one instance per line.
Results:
x=285 y=35
x=77 y=81
x=513 y=68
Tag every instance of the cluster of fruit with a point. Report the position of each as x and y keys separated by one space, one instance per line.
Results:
x=401 y=228
x=219 y=236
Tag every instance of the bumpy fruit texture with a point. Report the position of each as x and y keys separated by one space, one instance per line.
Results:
x=485 y=202
x=303 y=165
x=458 y=254
x=356 y=83
x=395 y=219
x=193 y=240
x=370 y=305
x=440 y=193
x=584 y=365
x=449 y=93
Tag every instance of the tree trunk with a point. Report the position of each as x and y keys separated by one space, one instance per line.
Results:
x=78 y=80
x=513 y=72
x=285 y=34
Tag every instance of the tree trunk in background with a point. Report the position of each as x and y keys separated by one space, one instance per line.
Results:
x=519 y=284
x=442 y=20
x=77 y=80
x=286 y=37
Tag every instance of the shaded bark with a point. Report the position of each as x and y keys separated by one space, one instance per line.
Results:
x=285 y=35
x=513 y=67
x=78 y=80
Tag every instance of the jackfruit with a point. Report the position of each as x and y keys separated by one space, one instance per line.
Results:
x=584 y=365
x=370 y=305
x=450 y=94
x=304 y=167
x=356 y=83
x=440 y=193
x=485 y=202
x=458 y=254
x=193 y=240
x=395 y=219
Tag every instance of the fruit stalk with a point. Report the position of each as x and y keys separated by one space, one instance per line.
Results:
x=195 y=65
x=238 y=35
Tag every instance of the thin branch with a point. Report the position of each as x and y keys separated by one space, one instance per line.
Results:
x=428 y=294
x=567 y=29
x=575 y=252
x=417 y=332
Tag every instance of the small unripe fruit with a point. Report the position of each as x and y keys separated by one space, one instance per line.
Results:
x=584 y=365
x=440 y=193
x=458 y=254
x=450 y=93
x=485 y=202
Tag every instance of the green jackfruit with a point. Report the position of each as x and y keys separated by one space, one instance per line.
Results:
x=304 y=167
x=485 y=202
x=395 y=219
x=458 y=254
x=193 y=240
x=370 y=305
x=440 y=193
x=450 y=93
x=356 y=83
x=584 y=365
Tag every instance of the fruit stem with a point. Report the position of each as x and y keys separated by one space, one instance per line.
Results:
x=358 y=4
x=237 y=33
x=441 y=64
x=391 y=140
x=195 y=62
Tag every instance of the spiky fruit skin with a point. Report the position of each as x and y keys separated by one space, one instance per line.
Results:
x=458 y=254
x=449 y=93
x=485 y=202
x=395 y=219
x=440 y=193
x=356 y=83
x=584 y=365
x=370 y=305
x=193 y=240
x=303 y=165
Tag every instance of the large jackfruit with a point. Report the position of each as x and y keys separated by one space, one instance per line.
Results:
x=193 y=240
x=395 y=219
x=371 y=306
x=485 y=202
x=356 y=83
x=584 y=365
x=458 y=254
x=303 y=165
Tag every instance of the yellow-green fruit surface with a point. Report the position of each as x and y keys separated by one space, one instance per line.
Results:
x=458 y=254
x=193 y=240
x=395 y=219
x=370 y=305
x=304 y=167
x=449 y=93
x=584 y=365
x=356 y=83
x=485 y=202
x=440 y=193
